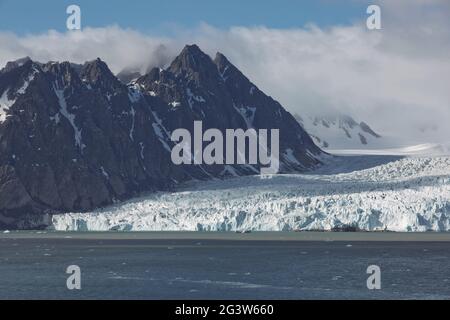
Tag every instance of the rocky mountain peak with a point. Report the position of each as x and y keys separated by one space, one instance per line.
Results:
x=193 y=62
x=234 y=78
x=15 y=79
x=221 y=60
x=98 y=74
x=20 y=67
x=192 y=51
x=16 y=64
x=223 y=64
x=62 y=73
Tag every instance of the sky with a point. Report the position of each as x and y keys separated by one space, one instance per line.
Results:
x=160 y=17
x=315 y=57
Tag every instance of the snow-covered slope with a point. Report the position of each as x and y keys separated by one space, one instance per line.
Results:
x=430 y=149
x=339 y=132
x=368 y=192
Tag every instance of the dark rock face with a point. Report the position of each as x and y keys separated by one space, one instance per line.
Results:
x=75 y=138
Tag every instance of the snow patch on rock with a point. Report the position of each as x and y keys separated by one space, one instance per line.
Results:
x=64 y=111
x=5 y=104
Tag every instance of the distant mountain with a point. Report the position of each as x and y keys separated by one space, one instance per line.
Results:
x=338 y=132
x=74 y=137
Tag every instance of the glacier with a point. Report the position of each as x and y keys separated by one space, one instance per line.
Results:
x=367 y=192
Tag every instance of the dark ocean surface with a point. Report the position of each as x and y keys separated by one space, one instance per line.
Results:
x=33 y=266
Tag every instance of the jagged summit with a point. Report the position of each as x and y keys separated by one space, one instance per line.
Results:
x=98 y=74
x=185 y=63
x=192 y=50
x=193 y=62
x=20 y=65
x=97 y=66
x=16 y=64
x=220 y=59
x=224 y=65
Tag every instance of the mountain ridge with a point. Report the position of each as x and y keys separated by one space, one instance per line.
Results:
x=74 y=137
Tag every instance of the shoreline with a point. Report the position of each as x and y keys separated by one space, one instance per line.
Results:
x=233 y=236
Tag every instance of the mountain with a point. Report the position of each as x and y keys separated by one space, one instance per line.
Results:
x=339 y=132
x=74 y=137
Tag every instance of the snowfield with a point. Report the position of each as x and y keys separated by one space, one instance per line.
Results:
x=370 y=192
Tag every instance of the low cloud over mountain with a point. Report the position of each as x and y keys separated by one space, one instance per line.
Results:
x=397 y=77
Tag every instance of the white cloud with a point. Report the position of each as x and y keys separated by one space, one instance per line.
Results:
x=396 y=79
x=119 y=47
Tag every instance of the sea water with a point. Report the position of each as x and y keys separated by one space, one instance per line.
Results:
x=33 y=266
